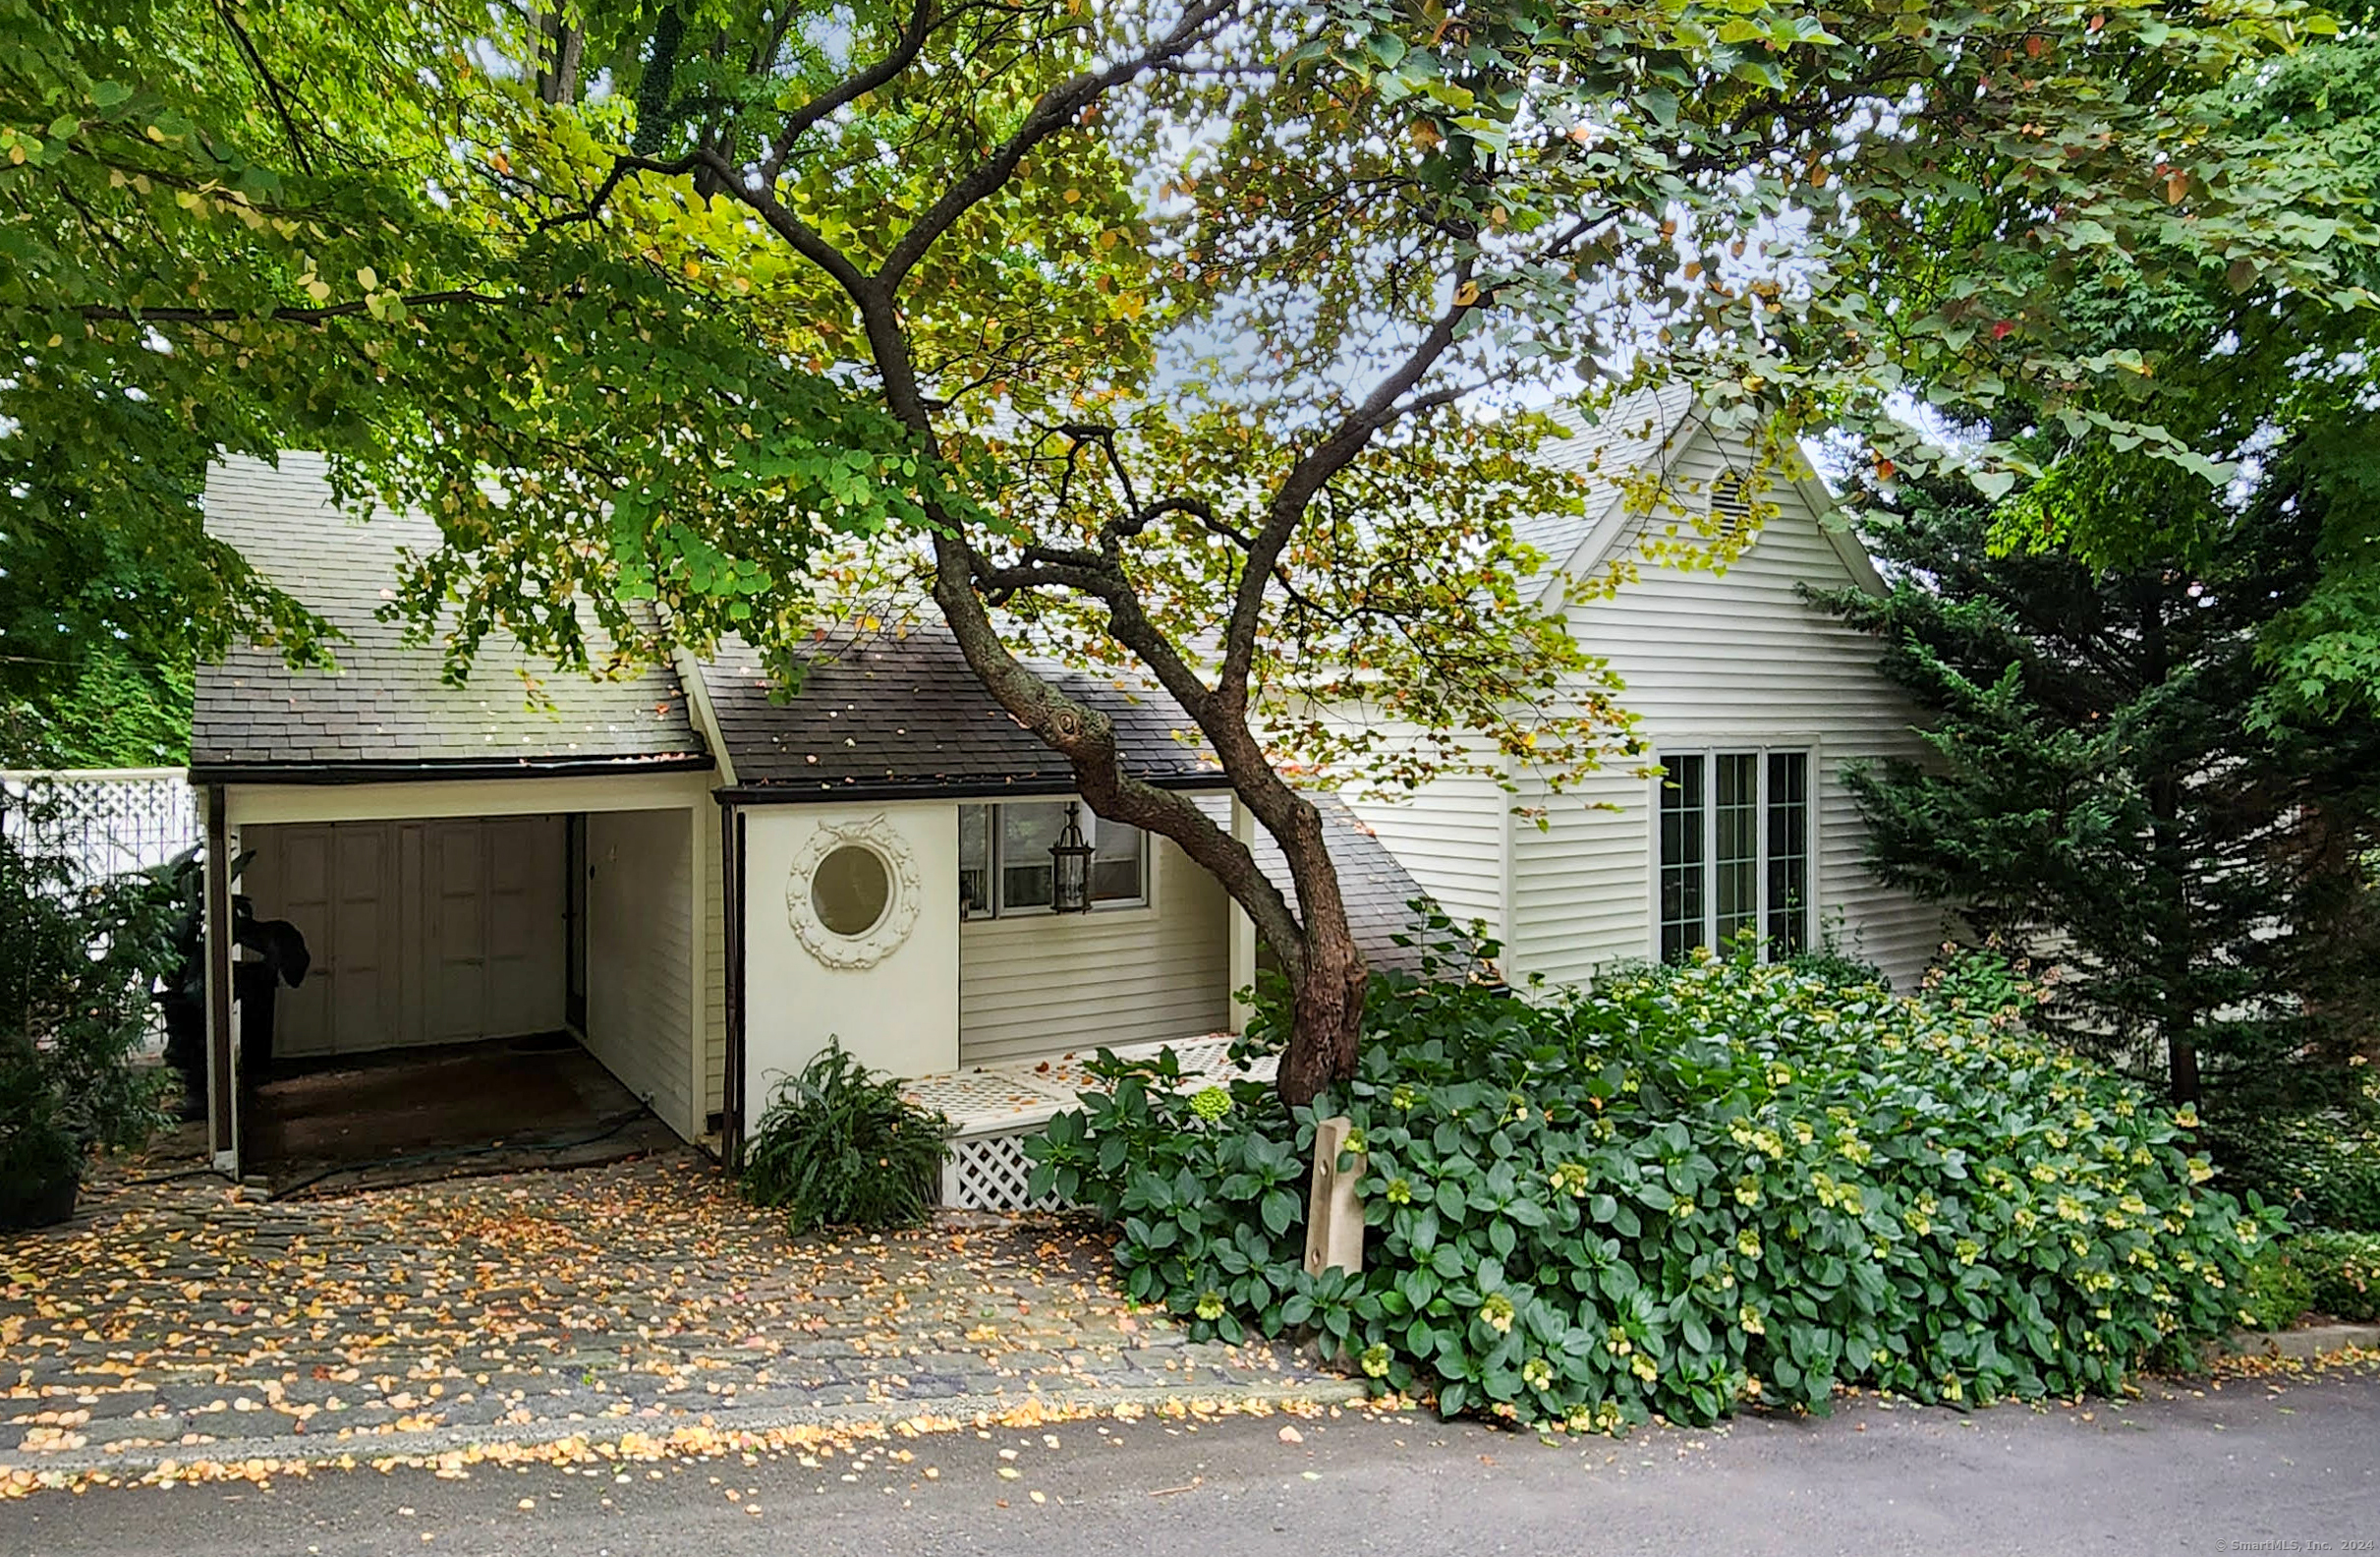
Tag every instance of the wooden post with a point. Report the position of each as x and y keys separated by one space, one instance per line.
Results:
x=1242 y=929
x=222 y=1002
x=1334 y=1216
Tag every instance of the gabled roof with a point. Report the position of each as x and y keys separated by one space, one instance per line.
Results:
x=1651 y=430
x=386 y=712
x=1377 y=889
x=901 y=712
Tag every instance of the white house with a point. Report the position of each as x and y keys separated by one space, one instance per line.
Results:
x=692 y=882
x=1753 y=701
x=696 y=883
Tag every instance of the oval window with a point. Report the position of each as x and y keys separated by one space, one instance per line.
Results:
x=850 y=890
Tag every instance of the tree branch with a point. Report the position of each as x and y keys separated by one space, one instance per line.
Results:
x=920 y=26
x=272 y=85
x=105 y=313
x=1308 y=476
x=1058 y=108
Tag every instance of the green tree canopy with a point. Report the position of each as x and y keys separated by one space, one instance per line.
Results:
x=232 y=231
x=1161 y=336
x=2154 y=677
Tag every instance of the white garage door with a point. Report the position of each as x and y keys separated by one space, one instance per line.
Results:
x=421 y=932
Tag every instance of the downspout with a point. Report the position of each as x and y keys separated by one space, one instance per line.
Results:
x=1506 y=921
x=731 y=885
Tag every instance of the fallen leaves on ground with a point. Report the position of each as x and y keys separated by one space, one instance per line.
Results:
x=177 y=1315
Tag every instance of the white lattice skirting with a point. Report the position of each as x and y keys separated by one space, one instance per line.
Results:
x=991 y=1173
x=994 y=1109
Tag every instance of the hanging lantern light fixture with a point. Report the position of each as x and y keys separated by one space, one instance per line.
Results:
x=1070 y=866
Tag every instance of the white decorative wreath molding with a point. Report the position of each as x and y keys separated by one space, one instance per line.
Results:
x=879 y=941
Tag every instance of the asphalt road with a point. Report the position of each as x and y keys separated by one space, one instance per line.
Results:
x=2224 y=1471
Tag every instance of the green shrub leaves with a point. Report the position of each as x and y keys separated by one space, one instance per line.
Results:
x=840 y=1146
x=1689 y=1189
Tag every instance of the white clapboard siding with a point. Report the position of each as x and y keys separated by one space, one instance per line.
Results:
x=1450 y=834
x=639 y=957
x=1715 y=660
x=1038 y=985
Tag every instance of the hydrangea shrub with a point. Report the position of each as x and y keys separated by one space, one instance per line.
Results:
x=1684 y=1190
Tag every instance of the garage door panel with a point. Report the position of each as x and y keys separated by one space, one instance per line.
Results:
x=362 y=993
x=291 y=879
x=524 y=925
x=421 y=932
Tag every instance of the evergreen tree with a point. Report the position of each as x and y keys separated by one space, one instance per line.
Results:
x=2098 y=792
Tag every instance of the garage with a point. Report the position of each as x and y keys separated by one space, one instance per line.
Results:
x=506 y=888
x=446 y=931
x=479 y=991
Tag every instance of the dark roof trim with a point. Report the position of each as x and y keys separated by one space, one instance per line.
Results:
x=433 y=772
x=940 y=789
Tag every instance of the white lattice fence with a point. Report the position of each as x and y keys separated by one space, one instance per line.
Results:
x=102 y=820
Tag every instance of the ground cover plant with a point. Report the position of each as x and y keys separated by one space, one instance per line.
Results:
x=1685 y=1190
x=2328 y=1273
x=2322 y=1164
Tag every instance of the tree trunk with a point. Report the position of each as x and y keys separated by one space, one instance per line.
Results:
x=655 y=92
x=2181 y=1059
x=558 y=47
x=1327 y=1011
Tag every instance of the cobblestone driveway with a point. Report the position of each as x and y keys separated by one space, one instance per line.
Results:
x=175 y=1314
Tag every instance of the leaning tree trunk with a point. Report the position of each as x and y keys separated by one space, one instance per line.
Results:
x=1328 y=977
x=1327 y=1011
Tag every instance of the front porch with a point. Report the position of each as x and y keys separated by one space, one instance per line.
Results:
x=994 y=1109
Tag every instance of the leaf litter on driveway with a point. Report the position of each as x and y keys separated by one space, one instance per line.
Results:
x=637 y=1303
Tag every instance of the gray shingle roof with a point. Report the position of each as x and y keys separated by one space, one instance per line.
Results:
x=901 y=712
x=1377 y=889
x=384 y=709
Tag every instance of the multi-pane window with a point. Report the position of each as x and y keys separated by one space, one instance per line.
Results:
x=1736 y=842
x=1788 y=852
x=1735 y=850
x=1682 y=829
x=1004 y=863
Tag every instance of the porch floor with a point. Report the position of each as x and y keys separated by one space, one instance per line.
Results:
x=409 y=1115
x=1006 y=1099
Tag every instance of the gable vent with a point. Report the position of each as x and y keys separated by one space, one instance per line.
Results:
x=1730 y=505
